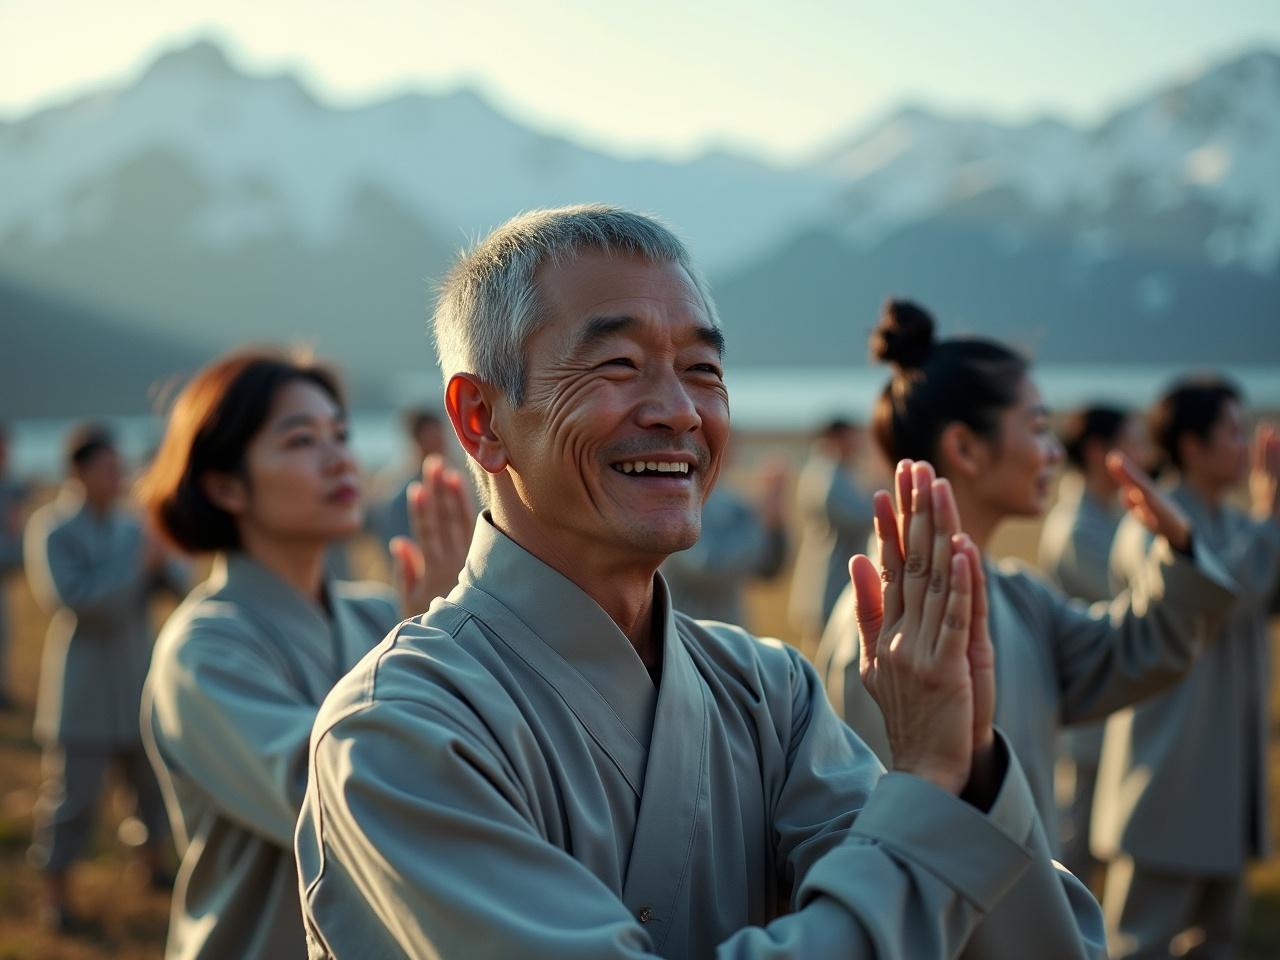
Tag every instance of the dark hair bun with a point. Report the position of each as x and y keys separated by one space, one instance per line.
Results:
x=904 y=336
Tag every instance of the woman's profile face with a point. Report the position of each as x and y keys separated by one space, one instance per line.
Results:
x=1023 y=459
x=301 y=480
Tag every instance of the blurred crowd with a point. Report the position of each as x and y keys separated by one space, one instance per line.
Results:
x=1144 y=742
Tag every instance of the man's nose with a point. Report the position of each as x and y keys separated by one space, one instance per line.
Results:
x=669 y=405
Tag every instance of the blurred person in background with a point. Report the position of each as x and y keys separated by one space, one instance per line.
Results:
x=835 y=519
x=255 y=468
x=1181 y=801
x=389 y=490
x=971 y=407
x=1075 y=552
x=13 y=495
x=94 y=566
x=740 y=541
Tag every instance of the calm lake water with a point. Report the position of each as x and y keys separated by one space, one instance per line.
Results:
x=773 y=400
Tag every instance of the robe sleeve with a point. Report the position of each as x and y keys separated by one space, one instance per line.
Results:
x=1112 y=655
x=442 y=857
x=224 y=714
x=990 y=874
x=62 y=576
x=849 y=510
x=1081 y=569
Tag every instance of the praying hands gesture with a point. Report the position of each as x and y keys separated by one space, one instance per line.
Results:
x=926 y=653
x=441 y=518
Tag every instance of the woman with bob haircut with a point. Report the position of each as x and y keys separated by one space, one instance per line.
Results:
x=255 y=468
x=971 y=408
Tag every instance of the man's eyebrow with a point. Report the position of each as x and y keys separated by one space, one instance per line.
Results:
x=712 y=336
x=597 y=329
x=601 y=328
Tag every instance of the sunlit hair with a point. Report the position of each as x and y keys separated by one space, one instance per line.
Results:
x=488 y=305
x=212 y=422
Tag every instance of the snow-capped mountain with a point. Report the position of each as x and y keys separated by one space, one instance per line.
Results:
x=270 y=160
x=1193 y=169
x=203 y=206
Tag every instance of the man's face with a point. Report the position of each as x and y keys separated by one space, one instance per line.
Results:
x=624 y=377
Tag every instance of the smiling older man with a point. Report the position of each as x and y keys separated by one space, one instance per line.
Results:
x=553 y=763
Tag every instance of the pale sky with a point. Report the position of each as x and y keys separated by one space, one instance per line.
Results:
x=779 y=79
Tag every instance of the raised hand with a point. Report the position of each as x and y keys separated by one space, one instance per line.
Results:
x=925 y=651
x=1264 y=477
x=1158 y=513
x=441 y=519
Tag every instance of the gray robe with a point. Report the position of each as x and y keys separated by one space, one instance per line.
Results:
x=87 y=572
x=708 y=580
x=1183 y=782
x=12 y=495
x=239 y=672
x=501 y=778
x=1075 y=553
x=835 y=518
x=1058 y=661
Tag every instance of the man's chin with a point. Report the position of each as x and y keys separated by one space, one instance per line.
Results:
x=663 y=540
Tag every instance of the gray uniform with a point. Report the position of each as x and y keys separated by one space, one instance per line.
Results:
x=708 y=580
x=1058 y=661
x=1075 y=552
x=1182 y=791
x=388 y=515
x=501 y=778
x=87 y=571
x=239 y=672
x=12 y=496
x=835 y=518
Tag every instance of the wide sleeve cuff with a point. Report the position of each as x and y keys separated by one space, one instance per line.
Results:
x=1201 y=581
x=979 y=855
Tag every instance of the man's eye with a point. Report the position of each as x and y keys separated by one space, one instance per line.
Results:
x=620 y=362
x=299 y=440
x=710 y=368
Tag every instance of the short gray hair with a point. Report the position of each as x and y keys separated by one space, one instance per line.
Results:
x=488 y=305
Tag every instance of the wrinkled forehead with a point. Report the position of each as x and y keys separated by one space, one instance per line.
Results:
x=598 y=293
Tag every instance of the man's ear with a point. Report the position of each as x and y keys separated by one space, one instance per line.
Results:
x=226 y=491
x=470 y=404
x=961 y=452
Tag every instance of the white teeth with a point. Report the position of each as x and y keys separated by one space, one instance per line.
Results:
x=653 y=466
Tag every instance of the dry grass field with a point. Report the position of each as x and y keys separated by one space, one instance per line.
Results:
x=130 y=920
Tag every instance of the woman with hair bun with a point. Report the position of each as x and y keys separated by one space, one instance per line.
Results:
x=971 y=408
x=255 y=468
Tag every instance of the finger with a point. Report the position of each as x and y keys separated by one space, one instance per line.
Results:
x=946 y=524
x=953 y=636
x=1126 y=473
x=890 y=556
x=461 y=519
x=420 y=520
x=902 y=487
x=404 y=569
x=915 y=567
x=868 y=608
